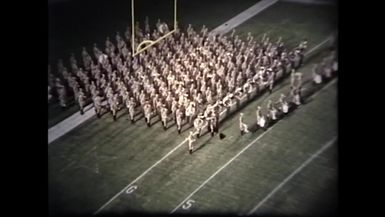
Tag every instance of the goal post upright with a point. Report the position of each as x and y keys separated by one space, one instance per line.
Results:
x=132 y=27
x=175 y=15
x=149 y=42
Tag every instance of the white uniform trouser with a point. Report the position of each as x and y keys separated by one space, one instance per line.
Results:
x=317 y=79
x=190 y=145
x=285 y=108
x=164 y=120
x=178 y=122
x=243 y=127
x=261 y=121
x=297 y=99
x=148 y=116
x=273 y=114
x=131 y=111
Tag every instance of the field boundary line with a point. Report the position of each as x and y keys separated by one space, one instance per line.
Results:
x=232 y=159
x=310 y=159
x=221 y=168
x=175 y=148
x=312 y=2
x=76 y=119
x=243 y=17
x=139 y=177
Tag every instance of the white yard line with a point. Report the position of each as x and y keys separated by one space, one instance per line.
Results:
x=139 y=177
x=175 y=148
x=315 y=2
x=68 y=165
x=330 y=83
x=168 y=154
x=70 y=123
x=164 y=157
x=232 y=159
x=323 y=148
x=311 y=51
x=220 y=169
x=242 y=17
x=76 y=119
x=318 y=45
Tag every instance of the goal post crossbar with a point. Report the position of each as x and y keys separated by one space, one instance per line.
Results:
x=149 y=43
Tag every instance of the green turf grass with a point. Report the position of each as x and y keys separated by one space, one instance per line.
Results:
x=180 y=174
x=74 y=24
x=313 y=192
x=122 y=152
x=256 y=172
x=293 y=22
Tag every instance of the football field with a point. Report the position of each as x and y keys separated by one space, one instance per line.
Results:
x=106 y=167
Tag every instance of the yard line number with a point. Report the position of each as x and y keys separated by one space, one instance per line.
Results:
x=131 y=189
x=188 y=204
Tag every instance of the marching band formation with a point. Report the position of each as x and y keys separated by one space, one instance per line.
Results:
x=189 y=77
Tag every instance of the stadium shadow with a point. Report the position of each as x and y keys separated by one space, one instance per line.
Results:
x=306 y=95
x=104 y=111
x=138 y=113
x=204 y=143
x=155 y=122
x=281 y=85
x=138 y=117
x=170 y=126
x=185 y=128
x=254 y=127
x=121 y=114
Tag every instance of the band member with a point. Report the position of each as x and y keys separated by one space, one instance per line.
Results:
x=164 y=116
x=190 y=140
x=199 y=124
x=97 y=100
x=114 y=106
x=242 y=126
x=190 y=111
x=284 y=105
x=147 y=113
x=178 y=119
x=81 y=100
x=261 y=120
x=272 y=111
x=296 y=97
x=317 y=76
x=130 y=105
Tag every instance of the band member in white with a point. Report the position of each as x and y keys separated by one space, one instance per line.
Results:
x=191 y=140
x=190 y=111
x=147 y=113
x=272 y=111
x=199 y=124
x=317 y=77
x=261 y=120
x=178 y=115
x=130 y=104
x=164 y=116
x=242 y=126
x=284 y=105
